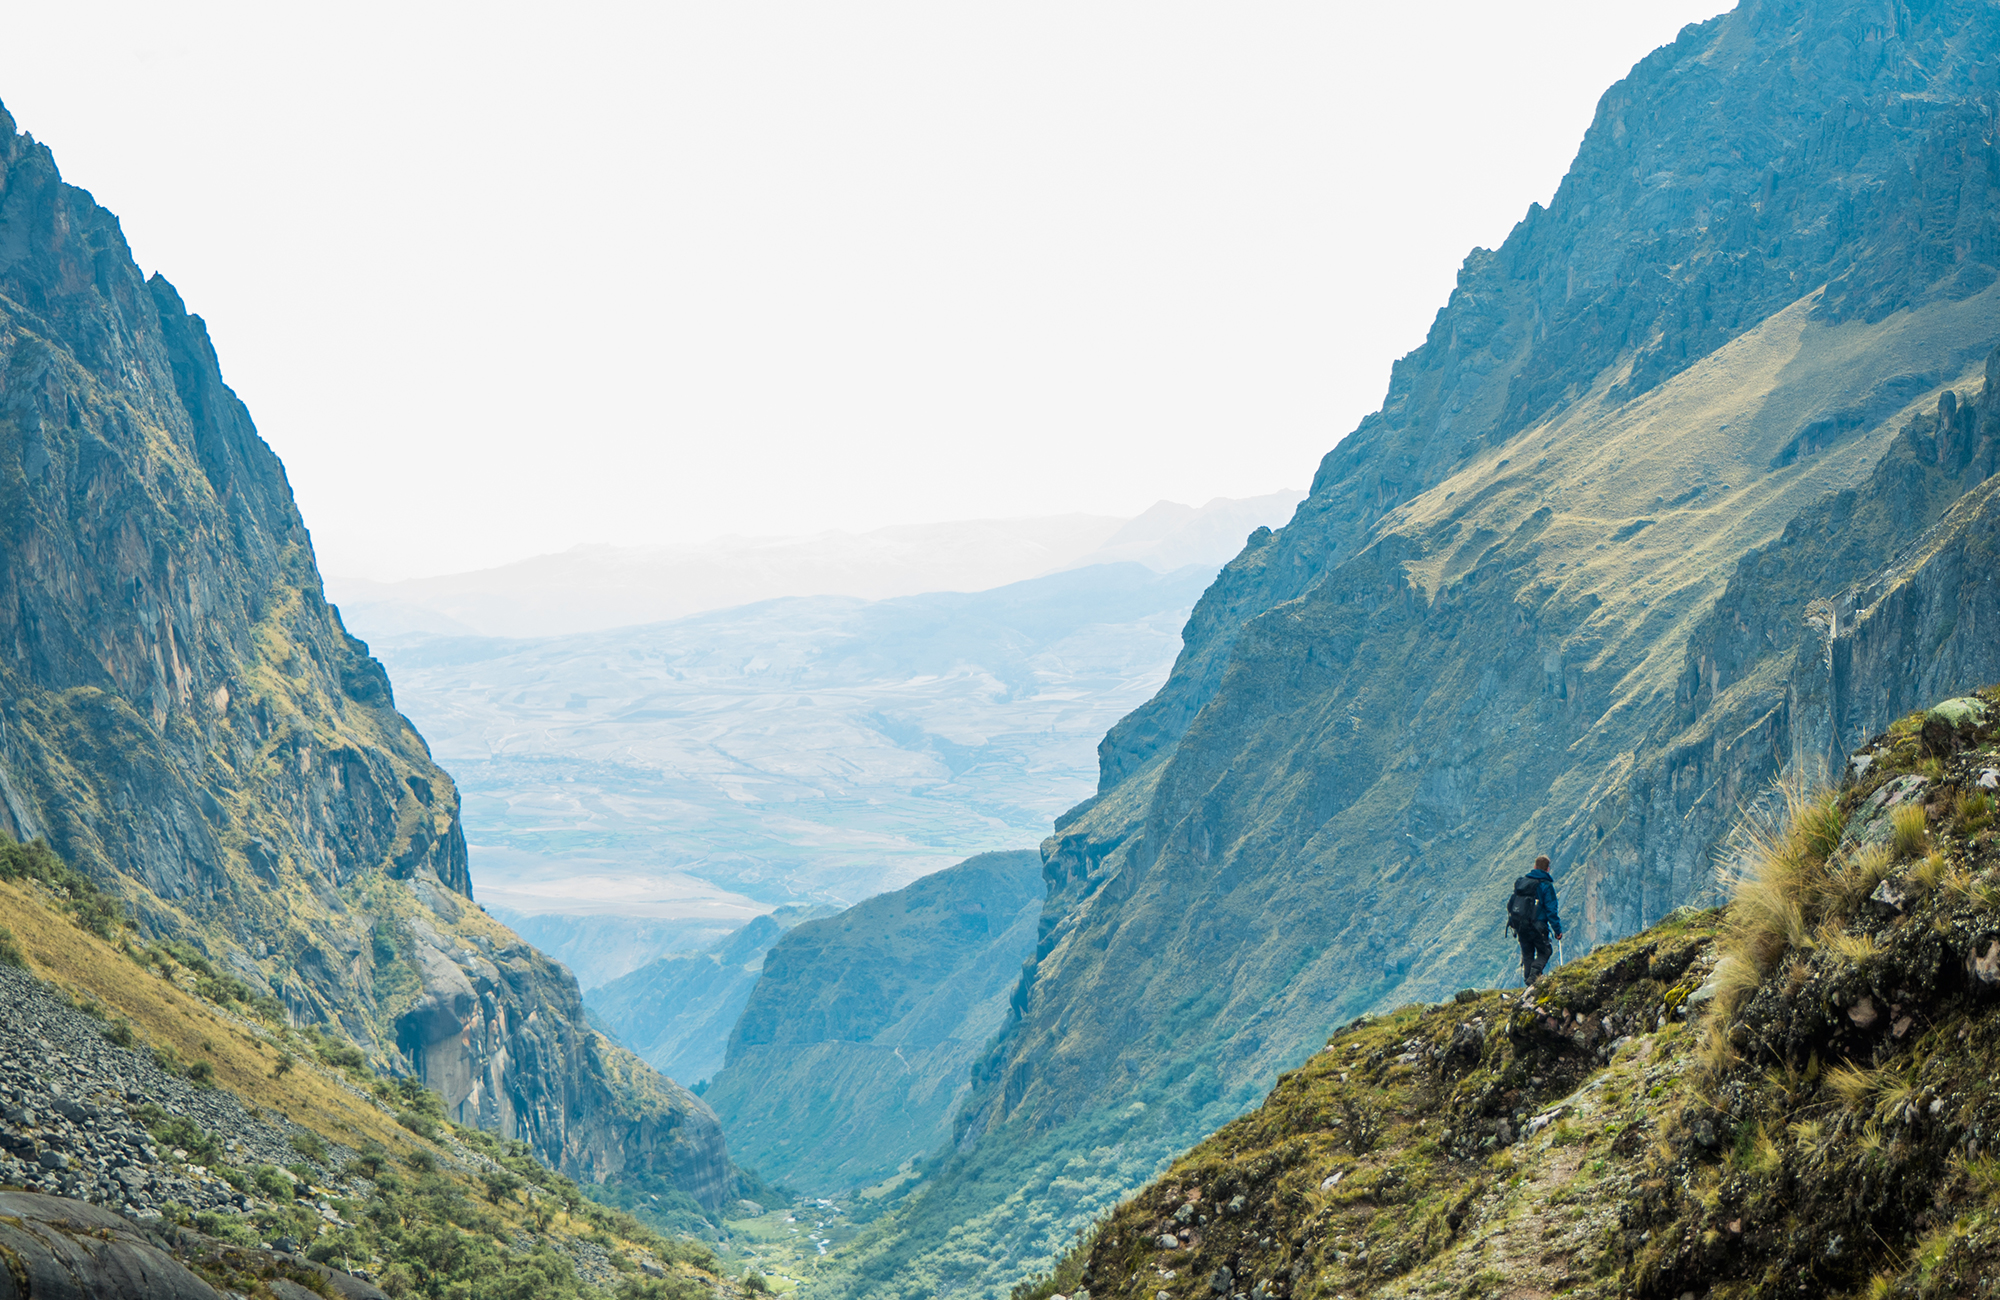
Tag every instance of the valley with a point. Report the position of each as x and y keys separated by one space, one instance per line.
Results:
x=684 y=923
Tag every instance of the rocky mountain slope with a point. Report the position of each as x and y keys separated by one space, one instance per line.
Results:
x=1792 y=1096
x=678 y=1012
x=184 y=718
x=1501 y=623
x=856 y=1043
x=165 y=1131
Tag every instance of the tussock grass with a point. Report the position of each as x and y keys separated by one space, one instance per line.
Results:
x=1854 y=1085
x=1850 y=883
x=1909 y=832
x=1931 y=870
x=1857 y=948
x=1784 y=881
x=1975 y=811
x=1780 y=879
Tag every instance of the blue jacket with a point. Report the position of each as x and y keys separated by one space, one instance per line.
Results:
x=1551 y=920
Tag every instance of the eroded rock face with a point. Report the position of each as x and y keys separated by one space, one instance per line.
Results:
x=183 y=716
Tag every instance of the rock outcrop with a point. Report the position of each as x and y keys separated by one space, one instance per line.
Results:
x=183 y=716
x=58 y=1249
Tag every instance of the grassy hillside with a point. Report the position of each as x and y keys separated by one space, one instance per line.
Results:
x=424 y=1206
x=1795 y=1094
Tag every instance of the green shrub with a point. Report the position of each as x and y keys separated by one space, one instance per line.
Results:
x=119 y=1033
x=78 y=894
x=368 y=1161
x=339 y=1053
x=232 y=1228
x=10 y=952
x=201 y=1074
x=501 y=1185
x=310 y=1145
x=425 y=1126
x=178 y=1132
x=272 y=1182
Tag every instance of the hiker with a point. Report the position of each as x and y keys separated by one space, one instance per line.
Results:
x=1532 y=916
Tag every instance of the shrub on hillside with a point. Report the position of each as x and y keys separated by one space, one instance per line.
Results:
x=79 y=895
x=10 y=952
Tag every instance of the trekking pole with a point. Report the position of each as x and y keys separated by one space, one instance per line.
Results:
x=1560 y=960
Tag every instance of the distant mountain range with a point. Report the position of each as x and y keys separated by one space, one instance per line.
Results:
x=590 y=588
x=809 y=749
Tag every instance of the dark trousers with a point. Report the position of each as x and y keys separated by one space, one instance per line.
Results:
x=1535 y=953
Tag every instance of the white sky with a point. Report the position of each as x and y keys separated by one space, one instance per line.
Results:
x=497 y=279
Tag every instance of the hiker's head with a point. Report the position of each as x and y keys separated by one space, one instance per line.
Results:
x=1542 y=863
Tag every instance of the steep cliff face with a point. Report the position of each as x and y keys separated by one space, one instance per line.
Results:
x=1481 y=635
x=856 y=1043
x=183 y=716
x=1863 y=607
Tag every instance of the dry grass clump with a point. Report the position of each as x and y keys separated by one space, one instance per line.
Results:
x=1849 y=884
x=1909 y=831
x=1855 y=1085
x=1782 y=878
x=1779 y=876
x=1975 y=811
x=1931 y=870
x=1857 y=948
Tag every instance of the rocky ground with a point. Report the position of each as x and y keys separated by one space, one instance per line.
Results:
x=68 y=1097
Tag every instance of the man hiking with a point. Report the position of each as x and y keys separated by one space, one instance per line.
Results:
x=1532 y=916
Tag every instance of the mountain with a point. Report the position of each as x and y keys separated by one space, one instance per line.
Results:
x=820 y=749
x=1759 y=301
x=855 y=1046
x=677 y=1012
x=600 y=946
x=595 y=587
x=183 y=717
x=1792 y=1096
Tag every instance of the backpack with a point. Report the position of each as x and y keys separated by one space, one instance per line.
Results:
x=1524 y=907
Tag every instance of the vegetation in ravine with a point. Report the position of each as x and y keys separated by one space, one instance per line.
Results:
x=1796 y=1094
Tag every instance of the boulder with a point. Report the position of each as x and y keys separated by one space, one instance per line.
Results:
x=58 y=1249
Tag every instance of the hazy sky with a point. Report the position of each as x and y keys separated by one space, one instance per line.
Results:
x=497 y=279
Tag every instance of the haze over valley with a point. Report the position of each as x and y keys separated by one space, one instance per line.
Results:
x=674 y=779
